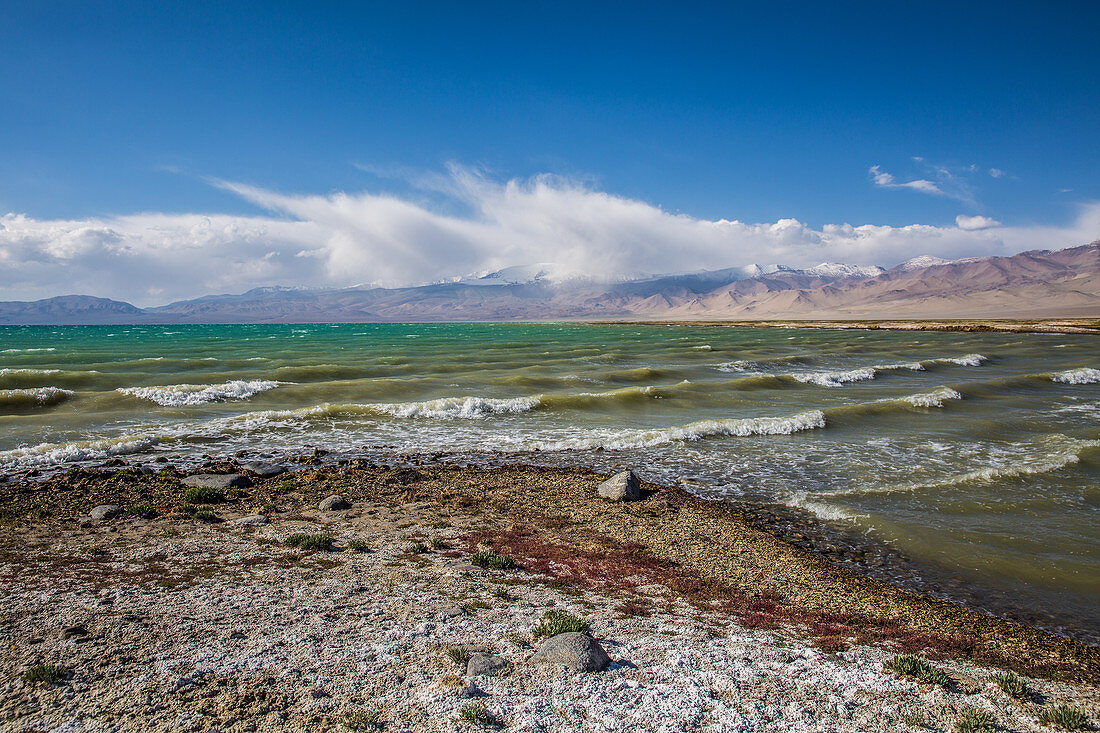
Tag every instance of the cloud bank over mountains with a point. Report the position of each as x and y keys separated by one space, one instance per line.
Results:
x=344 y=239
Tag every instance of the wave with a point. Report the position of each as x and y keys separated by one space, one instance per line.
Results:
x=934 y=398
x=85 y=450
x=27 y=351
x=179 y=395
x=1050 y=453
x=34 y=397
x=969 y=360
x=457 y=407
x=741 y=365
x=5 y=372
x=1084 y=375
x=743 y=427
x=835 y=379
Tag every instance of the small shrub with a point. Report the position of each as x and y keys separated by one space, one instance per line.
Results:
x=491 y=560
x=476 y=713
x=459 y=655
x=973 y=720
x=285 y=487
x=914 y=720
x=139 y=511
x=436 y=543
x=203 y=495
x=303 y=541
x=359 y=720
x=188 y=508
x=270 y=508
x=556 y=622
x=49 y=674
x=1013 y=685
x=502 y=594
x=910 y=666
x=357 y=545
x=1066 y=717
x=417 y=548
x=205 y=515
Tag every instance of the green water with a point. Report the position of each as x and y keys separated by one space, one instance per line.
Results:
x=975 y=454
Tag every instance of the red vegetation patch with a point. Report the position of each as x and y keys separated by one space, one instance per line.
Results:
x=602 y=564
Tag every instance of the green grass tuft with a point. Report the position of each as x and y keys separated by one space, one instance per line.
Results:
x=49 y=674
x=360 y=720
x=1013 y=685
x=417 y=548
x=476 y=713
x=357 y=546
x=1066 y=717
x=436 y=543
x=973 y=720
x=459 y=655
x=556 y=622
x=203 y=495
x=319 y=542
x=909 y=666
x=491 y=560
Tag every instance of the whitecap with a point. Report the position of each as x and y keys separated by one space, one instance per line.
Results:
x=835 y=379
x=970 y=360
x=742 y=427
x=27 y=351
x=178 y=395
x=5 y=372
x=457 y=407
x=934 y=398
x=36 y=396
x=49 y=453
x=1084 y=375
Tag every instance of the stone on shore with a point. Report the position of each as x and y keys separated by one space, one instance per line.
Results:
x=621 y=487
x=579 y=652
x=263 y=469
x=334 y=503
x=103 y=512
x=253 y=520
x=489 y=665
x=218 y=481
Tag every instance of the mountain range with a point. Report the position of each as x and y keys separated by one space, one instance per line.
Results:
x=1035 y=284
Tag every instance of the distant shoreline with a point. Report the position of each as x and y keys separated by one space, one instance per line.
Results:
x=967 y=325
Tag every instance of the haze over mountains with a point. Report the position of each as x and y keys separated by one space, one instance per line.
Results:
x=1035 y=284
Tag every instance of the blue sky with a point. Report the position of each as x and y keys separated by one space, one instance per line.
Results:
x=751 y=112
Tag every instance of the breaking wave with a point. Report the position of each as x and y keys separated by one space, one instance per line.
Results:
x=835 y=379
x=179 y=395
x=935 y=398
x=34 y=397
x=457 y=407
x=970 y=360
x=627 y=439
x=1084 y=375
x=45 y=454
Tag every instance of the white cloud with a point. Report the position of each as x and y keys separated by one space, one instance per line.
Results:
x=997 y=173
x=973 y=223
x=882 y=179
x=346 y=239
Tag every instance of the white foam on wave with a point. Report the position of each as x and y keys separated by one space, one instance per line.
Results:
x=458 y=407
x=27 y=351
x=913 y=366
x=737 y=366
x=935 y=398
x=179 y=395
x=743 y=427
x=1084 y=375
x=704 y=347
x=828 y=512
x=835 y=379
x=40 y=396
x=969 y=360
x=5 y=372
x=53 y=453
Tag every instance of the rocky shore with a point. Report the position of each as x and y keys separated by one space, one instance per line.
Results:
x=380 y=597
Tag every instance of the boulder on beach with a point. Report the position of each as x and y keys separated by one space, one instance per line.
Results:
x=253 y=520
x=264 y=469
x=579 y=652
x=489 y=665
x=621 y=487
x=218 y=481
x=103 y=512
x=334 y=503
